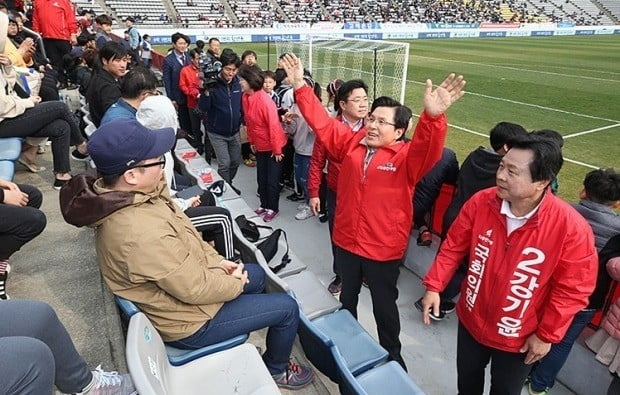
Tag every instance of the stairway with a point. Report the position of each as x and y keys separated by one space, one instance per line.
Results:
x=172 y=12
x=230 y=12
x=277 y=9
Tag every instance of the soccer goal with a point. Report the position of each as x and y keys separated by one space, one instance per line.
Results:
x=381 y=64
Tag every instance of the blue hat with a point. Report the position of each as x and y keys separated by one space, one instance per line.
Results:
x=119 y=145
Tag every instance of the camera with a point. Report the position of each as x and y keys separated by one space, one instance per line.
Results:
x=210 y=67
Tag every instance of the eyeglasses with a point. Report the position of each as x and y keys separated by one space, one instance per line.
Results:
x=359 y=100
x=381 y=122
x=161 y=163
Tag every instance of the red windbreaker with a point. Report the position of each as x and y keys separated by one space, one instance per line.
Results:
x=317 y=164
x=54 y=19
x=263 y=123
x=533 y=281
x=189 y=83
x=374 y=213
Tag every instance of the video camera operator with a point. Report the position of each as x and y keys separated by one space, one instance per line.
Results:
x=222 y=107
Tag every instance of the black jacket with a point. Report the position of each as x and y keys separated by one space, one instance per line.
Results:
x=604 y=281
x=477 y=173
x=446 y=170
x=103 y=91
x=222 y=107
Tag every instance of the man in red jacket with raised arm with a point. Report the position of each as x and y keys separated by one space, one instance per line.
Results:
x=532 y=267
x=375 y=189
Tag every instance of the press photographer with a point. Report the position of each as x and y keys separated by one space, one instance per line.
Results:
x=222 y=108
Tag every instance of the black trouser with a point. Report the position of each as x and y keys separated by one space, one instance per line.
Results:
x=381 y=278
x=246 y=151
x=55 y=50
x=184 y=121
x=454 y=285
x=19 y=225
x=268 y=173
x=288 y=164
x=330 y=203
x=195 y=133
x=51 y=119
x=508 y=371
x=323 y=194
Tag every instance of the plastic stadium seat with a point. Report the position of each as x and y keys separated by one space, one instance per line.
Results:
x=176 y=356
x=238 y=370
x=7 y=170
x=237 y=207
x=359 y=350
x=389 y=378
x=314 y=299
x=10 y=148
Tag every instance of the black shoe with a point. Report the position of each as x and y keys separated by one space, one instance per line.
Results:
x=58 y=184
x=323 y=218
x=237 y=191
x=295 y=197
x=447 y=306
x=77 y=155
x=441 y=316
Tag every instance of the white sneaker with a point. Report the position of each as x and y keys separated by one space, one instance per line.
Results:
x=301 y=206
x=109 y=383
x=304 y=214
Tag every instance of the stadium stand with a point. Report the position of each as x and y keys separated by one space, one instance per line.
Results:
x=304 y=11
x=611 y=6
x=202 y=13
x=144 y=11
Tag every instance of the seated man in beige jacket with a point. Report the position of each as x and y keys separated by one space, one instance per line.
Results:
x=151 y=254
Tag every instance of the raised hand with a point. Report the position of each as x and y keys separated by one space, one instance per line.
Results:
x=294 y=70
x=437 y=101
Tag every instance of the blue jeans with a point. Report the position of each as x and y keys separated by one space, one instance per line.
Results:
x=250 y=311
x=302 y=165
x=543 y=373
x=268 y=173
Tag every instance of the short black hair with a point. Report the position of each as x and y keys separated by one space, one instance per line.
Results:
x=178 y=36
x=145 y=37
x=83 y=39
x=345 y=91
x=103 y=20
x=194 y=52
x=402 y=114
x=214 y=39
x=200 y=44
x=269 y=74
x=112 y=50
x=230 y=57
x=547 y=160
x=253 y=76
x=90 y=57
x=602 y=186
x=280 y=76
x=550 y=135
x=247 y=53
x=137 y=81
x=505 y=133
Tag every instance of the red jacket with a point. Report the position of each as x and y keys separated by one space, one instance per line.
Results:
x=374 y=213
x=263 y=124
x=189 y=83
x=533 y=281
x=54 y=19
x=317 y=164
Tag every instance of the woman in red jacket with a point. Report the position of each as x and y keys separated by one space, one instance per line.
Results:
x=266 y=137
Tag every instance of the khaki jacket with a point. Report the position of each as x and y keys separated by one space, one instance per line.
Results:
x=151 y=254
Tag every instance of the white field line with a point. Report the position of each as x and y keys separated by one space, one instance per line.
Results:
x=517 y=69
x=591 y=131
x=500 y=99
x=557 y=67
x=486 y=135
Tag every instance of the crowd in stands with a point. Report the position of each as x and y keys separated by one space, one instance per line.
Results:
x=353 y=162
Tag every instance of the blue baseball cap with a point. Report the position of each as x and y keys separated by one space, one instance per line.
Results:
x=120 y=144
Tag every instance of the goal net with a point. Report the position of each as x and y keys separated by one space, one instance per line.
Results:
x=381 y=64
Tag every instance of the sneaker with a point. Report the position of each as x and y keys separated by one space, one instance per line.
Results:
x=335 y=287
x=447 y=306
x=441 y=316
x=260 y=211
x=77 y=155
x=249 y=162
x=58 y=184
x=105 y=383
x=3 y=278
x=270 y=215
x=531 y=391
x=295 y=197
x=425 y=238
x=294 y=377
x=304 y=214
x=323 y=218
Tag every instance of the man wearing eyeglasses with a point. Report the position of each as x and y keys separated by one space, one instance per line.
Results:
x=150 y=253
x=374 y=213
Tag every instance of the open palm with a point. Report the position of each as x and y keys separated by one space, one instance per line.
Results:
x=437 y=101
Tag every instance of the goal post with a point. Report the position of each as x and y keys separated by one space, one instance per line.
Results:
x=381 y=64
